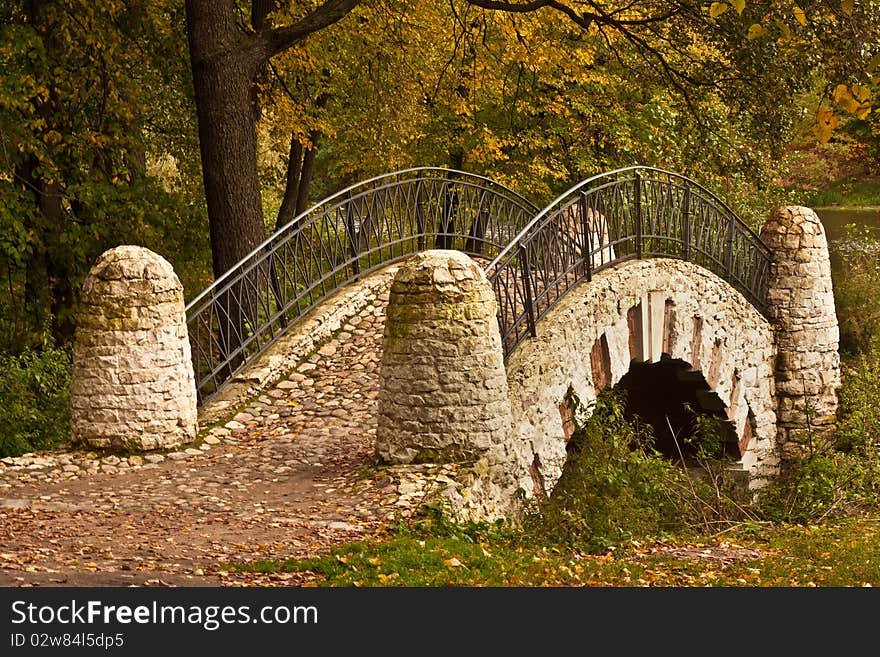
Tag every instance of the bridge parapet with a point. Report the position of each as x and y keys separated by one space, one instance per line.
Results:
x=630 y=213
x=349 y=234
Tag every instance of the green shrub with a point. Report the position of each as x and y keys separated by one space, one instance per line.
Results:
x=34 y=400
x=823 y=485
x=859 y=404
x=616 y=487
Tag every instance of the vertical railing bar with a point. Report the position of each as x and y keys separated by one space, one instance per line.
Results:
x=530 y=308
x=637 y=199
x=353 y=237
x=588 y=247
x=728 y=248
x=686 y=223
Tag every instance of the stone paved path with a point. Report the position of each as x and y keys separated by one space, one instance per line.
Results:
x=291 y=475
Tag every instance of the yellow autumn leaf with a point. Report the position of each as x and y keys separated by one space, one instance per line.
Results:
x=374 y=561
x=800 y=15
x=874 y=63
x=860 y=92
x=847 y=6
x=755 y=31
x=826 y=122
x=841 y=92
x=863 y=110
x=784 y=30
x=453 y=563
x=739 y=5
x=718 y=8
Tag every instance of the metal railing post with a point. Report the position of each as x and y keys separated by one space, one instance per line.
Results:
x=728 y=248
x=637 y=197
x=353 y=238
x=420 y=214
x=588 y=247
x=686 y=223
x=527 y=284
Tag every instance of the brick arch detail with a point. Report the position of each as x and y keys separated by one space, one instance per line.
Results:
x=640 y=310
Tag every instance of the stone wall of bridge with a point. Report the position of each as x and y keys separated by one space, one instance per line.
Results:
x=639 y=310
x=775 y=375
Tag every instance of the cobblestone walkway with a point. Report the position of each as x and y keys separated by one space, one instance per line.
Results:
x=291 y=475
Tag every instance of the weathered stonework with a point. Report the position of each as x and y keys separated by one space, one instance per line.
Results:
x=640 y=310
x=133 y=386
x=443 y=395
x=443 y=390
x=801 y=307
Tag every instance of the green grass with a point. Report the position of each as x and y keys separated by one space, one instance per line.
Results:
x=841 y=554
x=844 y=193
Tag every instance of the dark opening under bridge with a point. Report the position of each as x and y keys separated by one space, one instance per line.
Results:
x=532 y=257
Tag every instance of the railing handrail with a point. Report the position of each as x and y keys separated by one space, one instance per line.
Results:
x=607 y=174
x=348 y=234
x=339 y=195
x=528 y=286
x=380 y=220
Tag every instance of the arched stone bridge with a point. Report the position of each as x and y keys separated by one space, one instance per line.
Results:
x=504 y=321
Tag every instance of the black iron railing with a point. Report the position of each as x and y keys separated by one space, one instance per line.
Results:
x=347 y=235
x=634 y=212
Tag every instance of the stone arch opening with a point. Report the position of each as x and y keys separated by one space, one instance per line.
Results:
x=669 y=396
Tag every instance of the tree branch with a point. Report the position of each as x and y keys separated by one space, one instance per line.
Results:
x=584 y=19
x=280 y=39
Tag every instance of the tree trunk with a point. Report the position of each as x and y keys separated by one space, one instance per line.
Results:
x=308 y=171
x=224 y=62
x=287 y=212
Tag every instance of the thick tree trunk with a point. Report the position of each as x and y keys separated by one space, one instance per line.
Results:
x=224 y=62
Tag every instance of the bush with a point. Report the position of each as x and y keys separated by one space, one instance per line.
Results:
x=859 y=404
x=616 y=487
x=825 y=484
x=34 y=400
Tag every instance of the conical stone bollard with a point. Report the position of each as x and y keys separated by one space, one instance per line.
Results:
x=133 y=386
x=443 y=393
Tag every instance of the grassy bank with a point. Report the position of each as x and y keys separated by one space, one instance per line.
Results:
x=853 y=193
x=843 y=553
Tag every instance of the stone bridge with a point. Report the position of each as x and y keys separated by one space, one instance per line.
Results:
x=504 y=322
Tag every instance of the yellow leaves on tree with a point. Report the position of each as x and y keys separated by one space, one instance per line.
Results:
x=855 y=99
x=716 y=9
x=826 y=122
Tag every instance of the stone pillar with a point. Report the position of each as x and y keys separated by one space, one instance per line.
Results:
x=443 y=393
x=133 y=386
x=800 y=303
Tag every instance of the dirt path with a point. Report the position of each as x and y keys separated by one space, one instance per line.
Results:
x=291 y=476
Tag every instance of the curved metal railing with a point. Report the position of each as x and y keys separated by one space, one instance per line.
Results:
x=355 y=231
x=633 y=212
